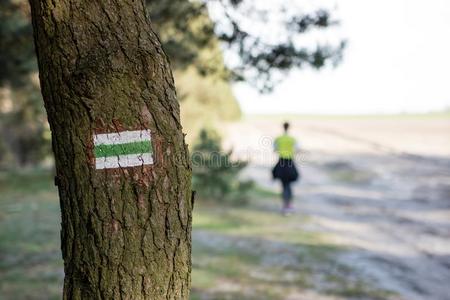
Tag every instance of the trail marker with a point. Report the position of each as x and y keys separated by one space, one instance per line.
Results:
x=123 y=149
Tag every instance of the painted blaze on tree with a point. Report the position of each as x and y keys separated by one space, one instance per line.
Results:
x=123 y=149
x=123 y=170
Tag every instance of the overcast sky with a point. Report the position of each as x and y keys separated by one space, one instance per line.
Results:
x=397 y=60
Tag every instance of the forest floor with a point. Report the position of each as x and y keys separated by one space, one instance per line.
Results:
x=372 y=220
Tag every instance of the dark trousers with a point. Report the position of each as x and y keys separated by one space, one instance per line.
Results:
x=287 y=193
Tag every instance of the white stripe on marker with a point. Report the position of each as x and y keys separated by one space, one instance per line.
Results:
x=123 y=161
x=123 y=137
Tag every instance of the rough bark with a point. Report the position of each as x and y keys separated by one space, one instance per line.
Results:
x=126 y=231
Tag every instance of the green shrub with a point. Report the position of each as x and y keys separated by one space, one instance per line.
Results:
x=216 y=175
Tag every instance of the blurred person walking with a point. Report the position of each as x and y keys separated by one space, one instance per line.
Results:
x=285 y=170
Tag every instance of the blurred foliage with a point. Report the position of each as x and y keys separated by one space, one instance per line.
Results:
x=244 y=26
x=184 y=28
x=205 y=97
x=205 y=101
x=17 y=58
x=216 y=175
x=25 y=135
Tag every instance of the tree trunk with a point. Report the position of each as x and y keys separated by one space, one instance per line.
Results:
x=122 y=166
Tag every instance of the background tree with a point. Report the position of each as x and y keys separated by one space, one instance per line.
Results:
x=239 y=25
x=216 y=174
x=125 y=228
x=23 y=125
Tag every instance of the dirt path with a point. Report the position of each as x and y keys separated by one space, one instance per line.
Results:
x=390 y=210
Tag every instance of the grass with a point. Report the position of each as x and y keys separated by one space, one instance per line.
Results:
x=243 y=253
x=30 y=259
x=356 y=289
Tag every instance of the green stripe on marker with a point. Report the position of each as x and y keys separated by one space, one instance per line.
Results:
x=123 y=149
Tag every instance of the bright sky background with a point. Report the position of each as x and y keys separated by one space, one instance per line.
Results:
x=397 y=60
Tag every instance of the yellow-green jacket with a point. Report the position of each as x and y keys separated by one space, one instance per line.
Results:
x=286 y=146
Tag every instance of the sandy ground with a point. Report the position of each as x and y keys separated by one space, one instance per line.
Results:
x=379 y=188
